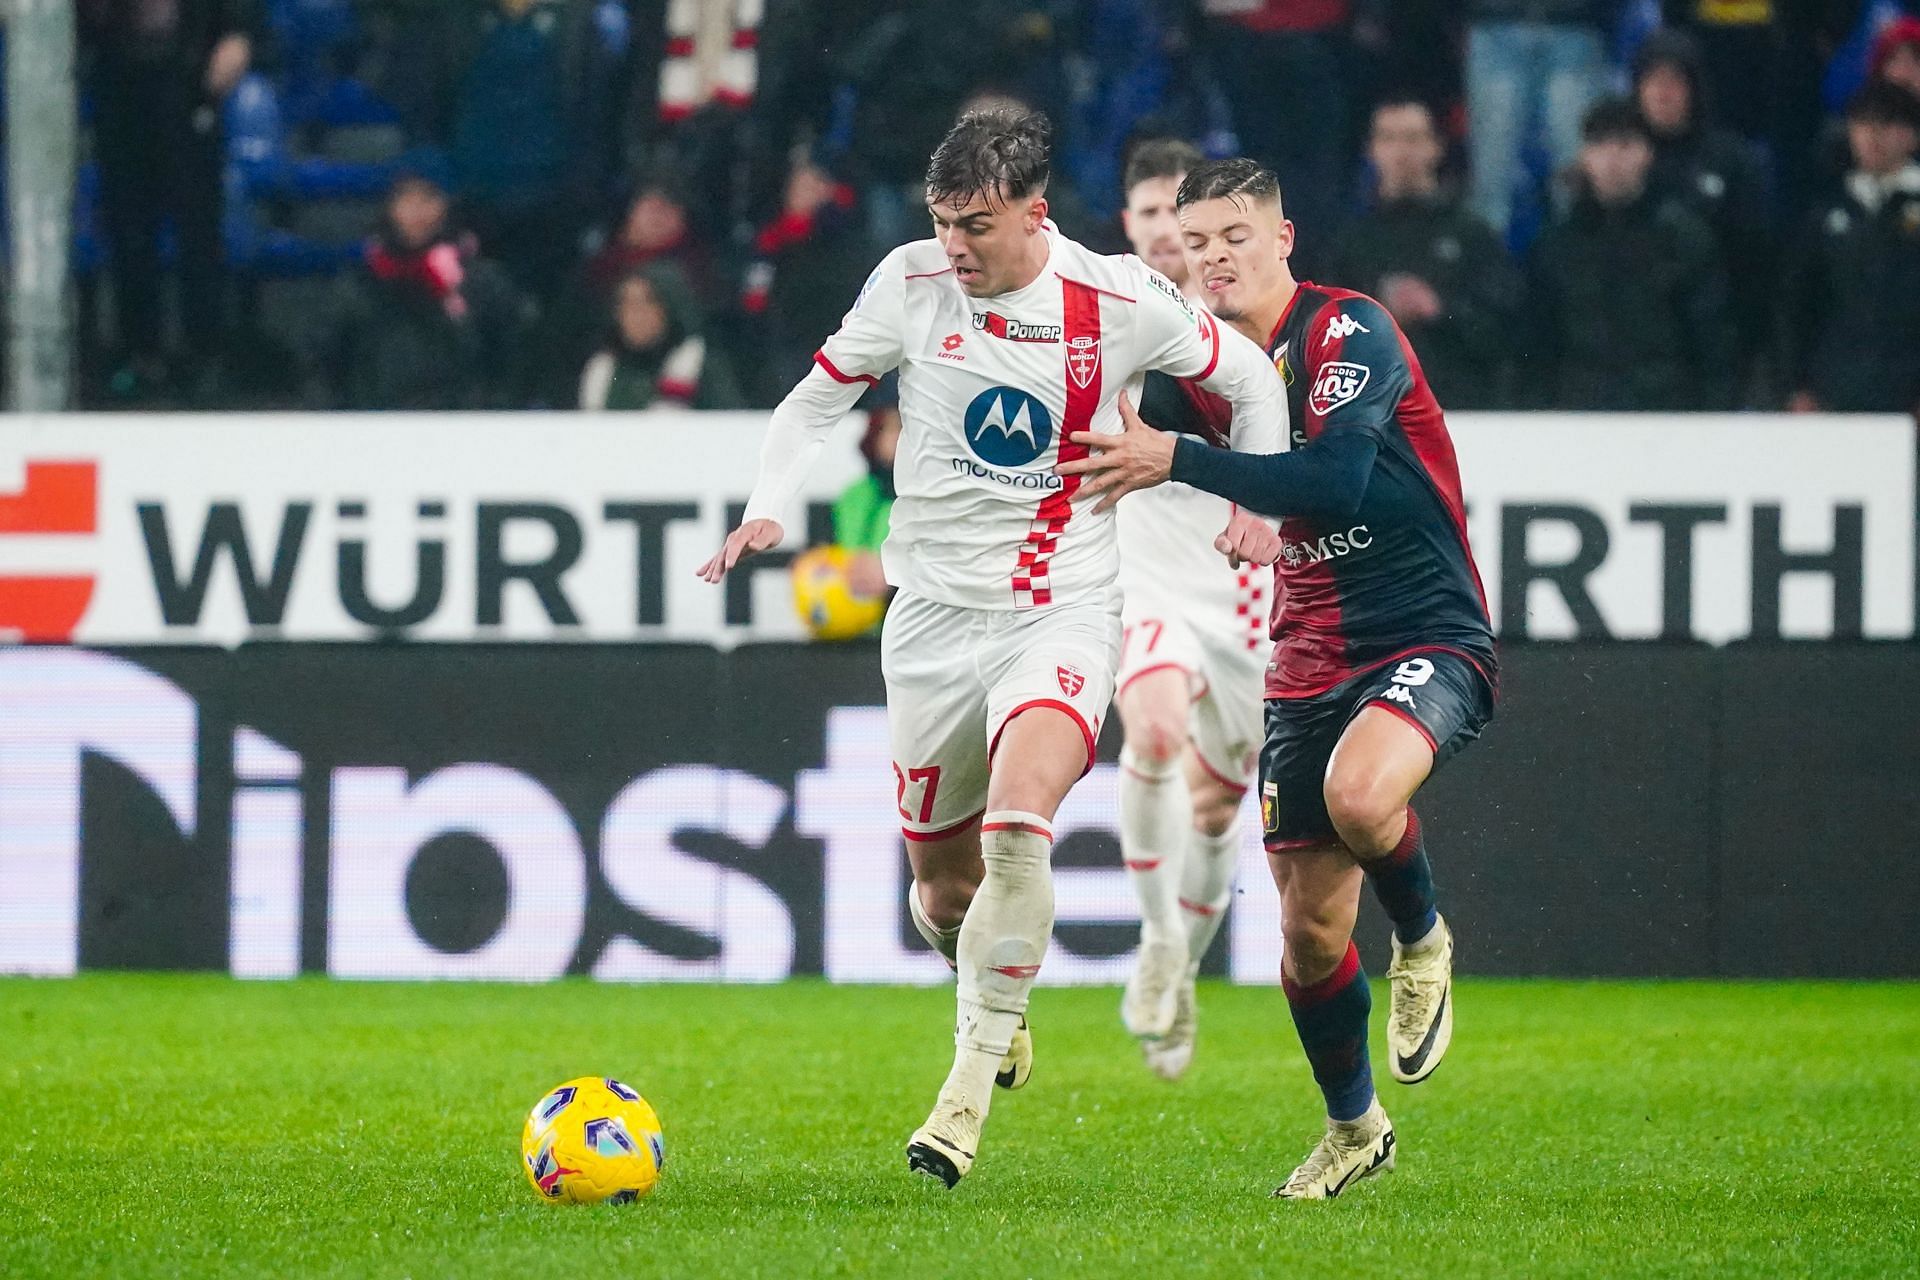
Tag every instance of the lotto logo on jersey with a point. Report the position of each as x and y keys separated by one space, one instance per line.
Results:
x=995 y=325
x=1337 y=383
x=1006 y=427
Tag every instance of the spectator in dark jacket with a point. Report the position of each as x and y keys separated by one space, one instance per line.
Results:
x=1629 y=306
x=1852 y=304
x=1712 y=171
x=159 y=72
x=424 y=322
x=1440 y=270
x=526 y=134
x=808 y=264
x=656 y=355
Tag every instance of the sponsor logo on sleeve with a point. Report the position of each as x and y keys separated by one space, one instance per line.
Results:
x=1344 y=326
x=1337 y=383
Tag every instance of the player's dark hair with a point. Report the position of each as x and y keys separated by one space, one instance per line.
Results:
x=1001 y=152
x=1884 y=102
x=1161 y=158
x=1394 y=98
x=1238 y=179
x=1612 y=119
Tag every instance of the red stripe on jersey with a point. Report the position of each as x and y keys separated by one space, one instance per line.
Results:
x=1213 y=331
x=1081 y=304
x=820 y=358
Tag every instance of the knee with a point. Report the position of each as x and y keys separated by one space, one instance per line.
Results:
x=1214 y=809
x=1314 y=942
x=1366 y=811
x=1157 y=744
x=946 y=895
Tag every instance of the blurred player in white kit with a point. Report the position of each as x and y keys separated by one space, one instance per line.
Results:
x=1000 y=650
x=1192 y=662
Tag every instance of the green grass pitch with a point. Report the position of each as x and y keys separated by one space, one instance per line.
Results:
x=161 y=1125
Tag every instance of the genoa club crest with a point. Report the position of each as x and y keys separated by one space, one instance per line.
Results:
x=1083 y=360
x=1071 y=681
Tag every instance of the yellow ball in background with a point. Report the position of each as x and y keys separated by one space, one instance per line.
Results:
x=592 y=1140
x=824 y=598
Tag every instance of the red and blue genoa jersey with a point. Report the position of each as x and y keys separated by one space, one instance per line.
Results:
x=1399 y=576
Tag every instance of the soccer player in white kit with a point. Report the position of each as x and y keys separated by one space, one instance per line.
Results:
x=999 y=650
x=1192 y=664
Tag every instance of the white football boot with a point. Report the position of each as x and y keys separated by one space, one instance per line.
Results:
x=1153 y=990
x=1420 y=1011
x=1350 y=1150
x=1171 y=1055
x=1017 y=1067
x=943 y=1147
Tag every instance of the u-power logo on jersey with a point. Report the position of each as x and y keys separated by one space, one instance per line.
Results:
x=57 y=498
x=1006 y=427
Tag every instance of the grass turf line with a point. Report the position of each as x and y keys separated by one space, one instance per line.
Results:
x=168 y=1125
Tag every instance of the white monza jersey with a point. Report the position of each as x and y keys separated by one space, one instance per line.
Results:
x=989 y=390
x=1168 y=563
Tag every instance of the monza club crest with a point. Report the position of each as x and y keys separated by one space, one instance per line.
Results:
x=1071 y=681
x=1083 y=360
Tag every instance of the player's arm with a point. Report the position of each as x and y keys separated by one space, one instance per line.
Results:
x=1357 y=374
x=1355 y=382
x=867 y=345
x=1185 y=341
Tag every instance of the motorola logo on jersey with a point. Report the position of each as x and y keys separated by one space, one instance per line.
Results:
x=1006 y=427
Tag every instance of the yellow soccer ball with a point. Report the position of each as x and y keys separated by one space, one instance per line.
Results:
x=824 y=598
x=592 y=1140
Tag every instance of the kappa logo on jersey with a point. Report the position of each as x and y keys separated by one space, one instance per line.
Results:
x=1337 y=383
x=1344 y=326
x=1006 y=427
x=1083 y=360
x=995 y=325
x=1071 y=681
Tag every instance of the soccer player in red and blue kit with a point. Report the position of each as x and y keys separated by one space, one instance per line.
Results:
x=1384 y=662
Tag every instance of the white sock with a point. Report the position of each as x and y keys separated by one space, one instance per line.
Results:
x=1001 y=942
x=1206 y=886
x=1156 y=816
x=945 y=941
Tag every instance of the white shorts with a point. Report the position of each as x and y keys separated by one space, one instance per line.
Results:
x=1226 y=674
x=955 y=677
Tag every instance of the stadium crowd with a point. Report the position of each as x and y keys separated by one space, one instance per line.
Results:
x=623 y=204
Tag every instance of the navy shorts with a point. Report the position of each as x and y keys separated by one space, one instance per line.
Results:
x=1440 y=693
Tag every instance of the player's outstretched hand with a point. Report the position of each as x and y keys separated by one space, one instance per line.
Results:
x=1248 y=539
x=1138 y=458
x=749 y=539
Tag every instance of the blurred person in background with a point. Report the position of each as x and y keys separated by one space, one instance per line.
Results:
x=159 y=73
x=652 y=231
x=656 y=355
x=1712 y=171
x=863 y=512
x=1286 y=66
x=1436 y=267
x=423 y=322
x=1628 y=298
x=806 y=261
x=526 y=134
x=1193 y=655
x=1896 y=54
x=1531 y=64
x=1851 y=336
